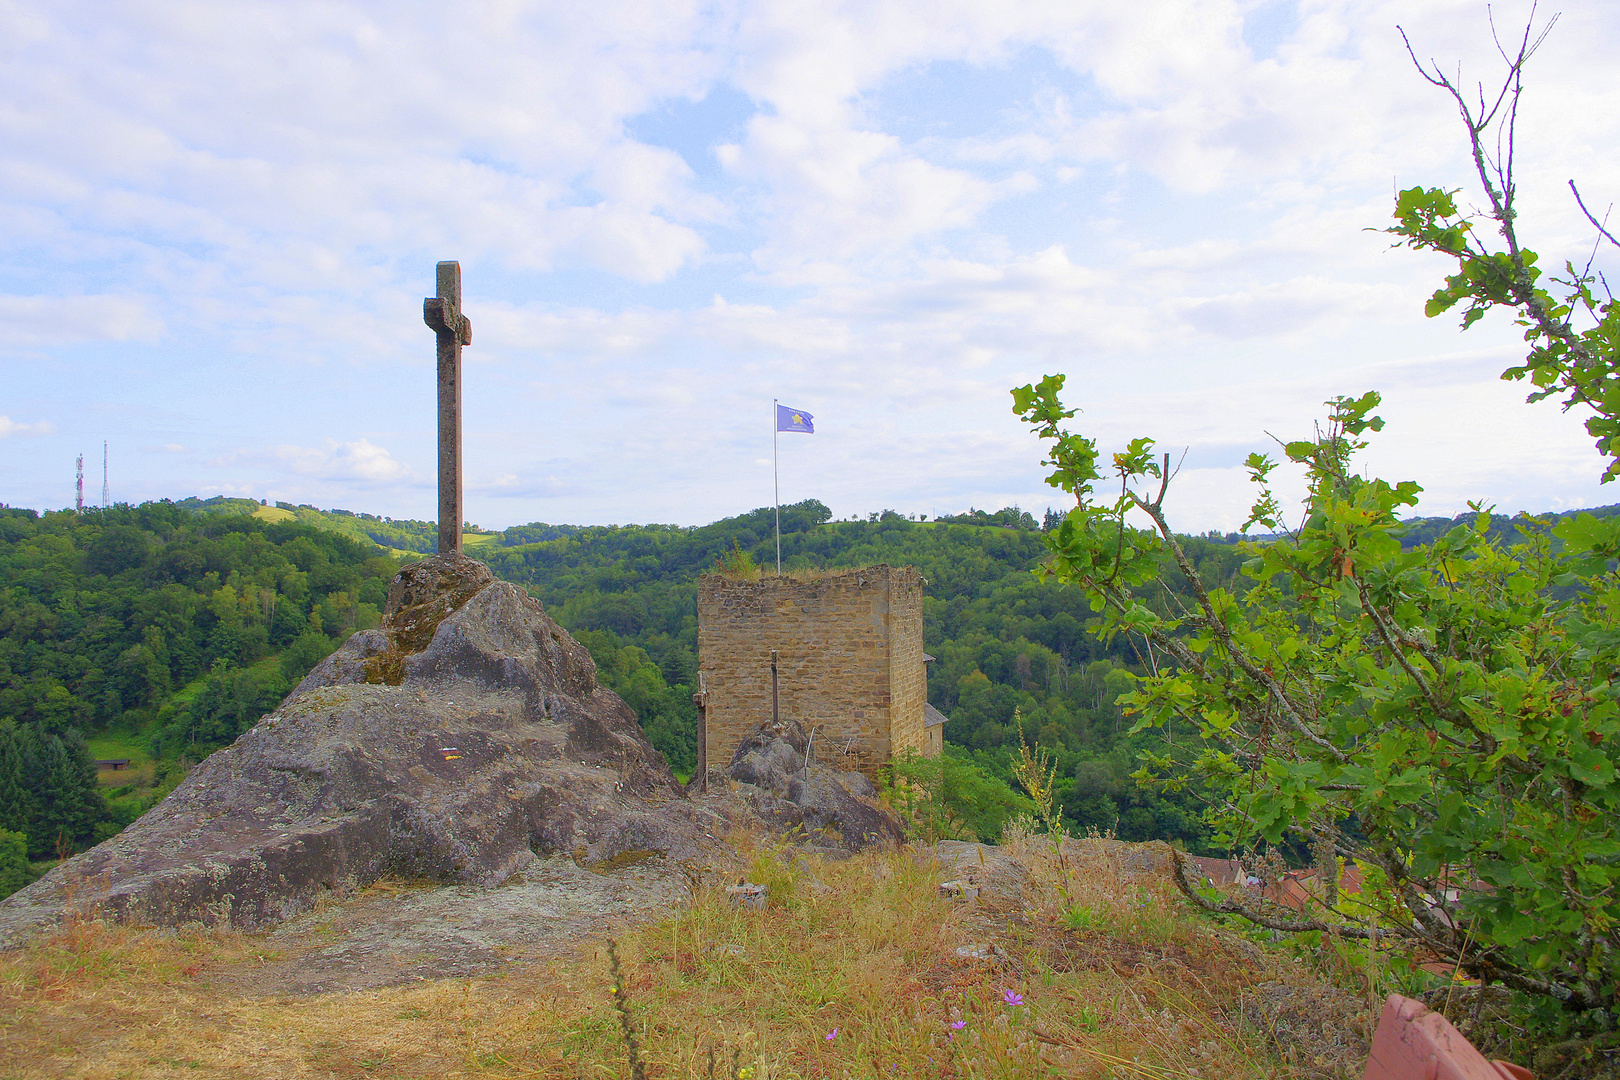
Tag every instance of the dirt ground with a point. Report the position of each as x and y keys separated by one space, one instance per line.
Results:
x=394 y=933
x=397 y=933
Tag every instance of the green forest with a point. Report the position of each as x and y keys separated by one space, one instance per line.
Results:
x=158 y=633
x=154 y=634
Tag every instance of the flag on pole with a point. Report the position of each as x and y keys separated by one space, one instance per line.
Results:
x=794 y=420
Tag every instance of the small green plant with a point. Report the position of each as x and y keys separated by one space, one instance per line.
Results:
x=914 y=787
x=737 y=563
x=1037 y=772
x=949 y=797
x=1077 y=917
x=776 y=868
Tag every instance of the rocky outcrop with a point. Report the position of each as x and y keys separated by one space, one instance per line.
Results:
x=776 y=770
x=985 y=870
x=463 y=737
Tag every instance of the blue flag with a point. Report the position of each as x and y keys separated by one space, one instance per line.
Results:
x=794 y=420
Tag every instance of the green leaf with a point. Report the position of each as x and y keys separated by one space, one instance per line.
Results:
x=1590 y=766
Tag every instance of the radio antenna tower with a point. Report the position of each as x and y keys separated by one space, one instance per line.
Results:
x=78 y=500
x=105 y=501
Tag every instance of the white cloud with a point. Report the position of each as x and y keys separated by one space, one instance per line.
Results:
x=359 y=461
x=636 y=245
x=839 y=192
x=9 y=428
x=33 y=321
x=1287 y=307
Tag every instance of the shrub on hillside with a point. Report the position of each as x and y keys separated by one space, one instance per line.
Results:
x=14 y=868
x=1447 y=715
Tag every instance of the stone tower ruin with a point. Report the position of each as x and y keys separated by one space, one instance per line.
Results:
x=849 y=656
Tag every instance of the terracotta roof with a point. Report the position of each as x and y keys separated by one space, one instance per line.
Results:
x=932 y=717
x=1219 y=872
x=1295 y=887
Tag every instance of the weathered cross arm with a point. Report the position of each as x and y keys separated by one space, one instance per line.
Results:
x=453 y=324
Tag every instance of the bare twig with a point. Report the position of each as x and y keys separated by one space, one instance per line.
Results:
x=1229 y=906
x=1596 y=224
x=1496 y=176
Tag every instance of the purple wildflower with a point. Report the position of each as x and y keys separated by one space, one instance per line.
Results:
x=1012 y=997
x=833 y=1034
x=958 y=1025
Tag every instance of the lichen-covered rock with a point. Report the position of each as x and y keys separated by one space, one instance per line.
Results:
x=463 y=737
x=785 y=785
x=991 y=870
x=421 y=597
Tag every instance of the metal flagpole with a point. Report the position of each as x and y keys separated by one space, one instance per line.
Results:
x=776 y=481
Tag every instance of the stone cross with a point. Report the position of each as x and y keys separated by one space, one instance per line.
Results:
x=443 y=314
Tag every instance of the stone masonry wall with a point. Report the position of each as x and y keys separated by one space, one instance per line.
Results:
x=849 y=660
x=908 y=674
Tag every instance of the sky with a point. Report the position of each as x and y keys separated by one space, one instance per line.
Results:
x=220 y=221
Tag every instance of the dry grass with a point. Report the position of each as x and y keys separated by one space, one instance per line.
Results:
x=801 y=573
x=819 y=573
x=863 y=951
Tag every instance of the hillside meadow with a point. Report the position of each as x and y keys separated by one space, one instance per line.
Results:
x=856 y=968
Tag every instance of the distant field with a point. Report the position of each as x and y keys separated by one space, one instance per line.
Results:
x=402 y=553
x=183 y=696
x=274 y=513
x=112 y=745
x=107 y=745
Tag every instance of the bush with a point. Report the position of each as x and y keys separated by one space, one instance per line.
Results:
x=302 y=654
x=14 y=869
x=950 y=797
x=230 y=702
x=1445 y=714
